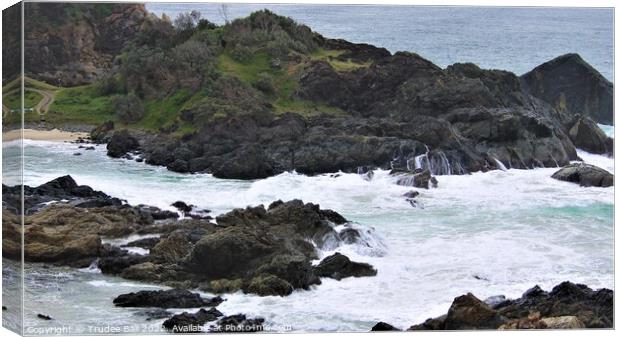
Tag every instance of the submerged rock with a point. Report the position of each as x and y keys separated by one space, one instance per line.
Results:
x=44 y=317
x=585 y=175
x=382 y=326
x=173 y=298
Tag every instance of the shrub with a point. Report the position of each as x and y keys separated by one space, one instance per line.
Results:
x=108 y=85
x=264 y=83
x=128 y=108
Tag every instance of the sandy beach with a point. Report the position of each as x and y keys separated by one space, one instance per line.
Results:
x=50 y=135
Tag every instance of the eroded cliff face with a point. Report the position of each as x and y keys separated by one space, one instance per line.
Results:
x=73 y=44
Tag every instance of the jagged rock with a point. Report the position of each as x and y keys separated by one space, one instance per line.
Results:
x=572 y=86
x=585 y=175
x=186 y=322
x=593 y=307
x=121 y=143
x=173 y=298
x=60 y=189
x=338 y=266
x=568 y=305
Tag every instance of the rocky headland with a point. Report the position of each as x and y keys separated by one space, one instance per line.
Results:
x=263 y=95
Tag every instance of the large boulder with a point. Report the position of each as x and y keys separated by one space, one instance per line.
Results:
x=468 y=312
x=585 y=175
x=338 y=266
x=173 y=298
x=573 y=86
x=586 y=135
x=121 y=143
x=231 y=252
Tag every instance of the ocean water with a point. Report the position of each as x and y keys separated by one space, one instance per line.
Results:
x=499 y=232
x=509 y=38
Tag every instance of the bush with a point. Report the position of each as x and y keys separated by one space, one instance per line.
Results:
x=264 y=83
x=128 y=108
x=241 y=54
x=108 y=85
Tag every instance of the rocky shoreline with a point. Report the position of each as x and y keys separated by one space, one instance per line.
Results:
x=267 y=251
x=566 y=306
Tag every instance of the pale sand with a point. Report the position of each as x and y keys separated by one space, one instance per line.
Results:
x=50 y=135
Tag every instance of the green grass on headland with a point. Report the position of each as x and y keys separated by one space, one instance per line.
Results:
x=81 y=105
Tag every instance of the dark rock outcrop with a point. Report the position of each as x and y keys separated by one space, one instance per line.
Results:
x=61 y=188
x=592 y=307
x=120 y=143
x=573 y=87
x=173 y=298
x=338 y=266
x=585 y=175
x=568 y=305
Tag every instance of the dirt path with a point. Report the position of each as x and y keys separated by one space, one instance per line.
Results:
x=48 y=98
x=41 y=108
